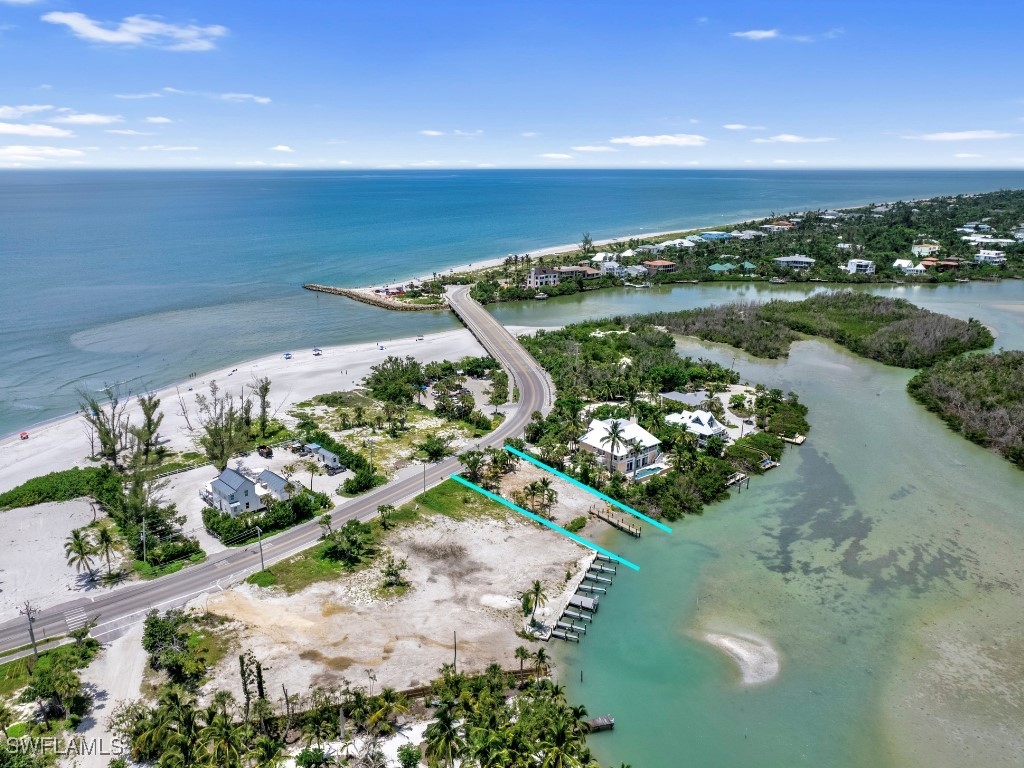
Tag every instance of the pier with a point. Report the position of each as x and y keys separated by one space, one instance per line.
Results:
x=373 y=299
x=601 y=723
x=615 y=522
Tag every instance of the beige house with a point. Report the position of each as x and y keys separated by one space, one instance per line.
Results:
x=635 y=447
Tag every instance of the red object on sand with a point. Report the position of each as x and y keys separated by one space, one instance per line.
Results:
x=24 y=435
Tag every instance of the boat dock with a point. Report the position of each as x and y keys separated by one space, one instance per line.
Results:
x=797 y=440
x=615 y=522
x=601 y=723
x=578 y=616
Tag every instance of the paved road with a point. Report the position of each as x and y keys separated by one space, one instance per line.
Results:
x=115 y=610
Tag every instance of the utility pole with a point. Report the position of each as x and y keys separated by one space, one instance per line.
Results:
x=144 y=559
x=29 y=612
x=259 y=538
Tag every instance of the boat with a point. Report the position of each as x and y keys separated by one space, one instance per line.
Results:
x=962 y=280
x=777 y=281
x=541 y=296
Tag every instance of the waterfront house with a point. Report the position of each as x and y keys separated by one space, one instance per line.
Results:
x=612 y=268
x=715 y=235
x=701 y=423
x=925 y=250
x=234 y=494
x=634 y=272
x=541 y=277
x=273 y=485
x=659 y=265
x=721 y=269
x=635 y=448
x=995 y=258
x=860 y=267
x=748 y=267
x=796 y=261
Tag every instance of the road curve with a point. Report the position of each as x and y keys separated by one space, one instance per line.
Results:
x=117 y=609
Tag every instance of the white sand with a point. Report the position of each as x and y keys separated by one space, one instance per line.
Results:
x=33 y=566
x=32 y=563
x=114 y=676
x=757 y=660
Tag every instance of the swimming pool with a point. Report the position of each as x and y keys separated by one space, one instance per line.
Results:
x=648 y=471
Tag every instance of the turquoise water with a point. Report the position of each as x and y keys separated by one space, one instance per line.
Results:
x=881 y=557
x=142 y=277
x=841 y=558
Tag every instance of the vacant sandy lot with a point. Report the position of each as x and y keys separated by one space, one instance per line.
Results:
x=466 y=579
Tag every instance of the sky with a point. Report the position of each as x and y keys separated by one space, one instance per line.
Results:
x=485 y=83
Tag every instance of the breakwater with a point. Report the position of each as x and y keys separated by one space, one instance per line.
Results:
x=367 y=297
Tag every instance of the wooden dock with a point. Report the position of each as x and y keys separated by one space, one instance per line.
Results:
x=614 y=522
x=798 y=440
x=735 y=478
x=601 y=723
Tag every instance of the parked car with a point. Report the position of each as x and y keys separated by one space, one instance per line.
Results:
x=335 y=470
x=265 y=451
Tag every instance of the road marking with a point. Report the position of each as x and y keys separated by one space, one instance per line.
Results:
x=75 y=618
x=221 y=564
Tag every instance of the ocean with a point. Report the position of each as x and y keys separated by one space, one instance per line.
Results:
x=882 y=559
x=139 y=277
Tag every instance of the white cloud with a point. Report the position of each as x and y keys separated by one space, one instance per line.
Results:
x=457 y=132
x=32 y=129
x=790 y=138
x=24 y=153
x=286 y=165
x=555 y=156
x=129 y=132
x=982 y=135
x=169 y=89
x=250 y=163
x=425 y=164
x=757 y=34
x=22 y=110
x=663 y=140
x=166 y=148
x=159 y=120
x=140 y=30
x=19 y=2
x=965 y=155
x=742 y=127
x=87 y=118
x=251 y=97
x=151 y=95
x=281 y=148
x=529 y=134
x=431 y=133
x=590 y=148
x=344 y=162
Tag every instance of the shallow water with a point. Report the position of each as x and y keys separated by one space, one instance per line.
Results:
x=882 y=521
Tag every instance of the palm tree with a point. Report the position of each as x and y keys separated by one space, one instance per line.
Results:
x=636 y=447
x=537 y=597
x=105 y=544
x=79 y=550
x=390 y=703
x=443 y=739
x=313 y=467
x=266 y=753
x=522 y=654
x=385 y=512
x=548 y=495
x=540 y=660
x=225 y=741
x=615 y=438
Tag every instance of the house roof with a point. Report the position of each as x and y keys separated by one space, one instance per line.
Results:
x=721 y=267
x=228 y=483
x=273 y=481
x=597 y=433
x=686 y=398
x=321 y=451
x=798 y=258
x=701 y=423
x=660 y=263
x=903 y=264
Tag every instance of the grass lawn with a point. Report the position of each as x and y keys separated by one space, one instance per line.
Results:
x=210 y=639
x=454 y=500
x=14 y=675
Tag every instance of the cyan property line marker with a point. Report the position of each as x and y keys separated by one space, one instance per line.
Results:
x=548 y=523
x=587 y=488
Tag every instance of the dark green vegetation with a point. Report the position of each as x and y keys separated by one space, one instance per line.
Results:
x=892 y=331
x=52 y=684
x=278 y=516
x=365 y=478
x=881 y=234
x=622 y=365
x=99 y=483
x=979 y=396
x=474 y=722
